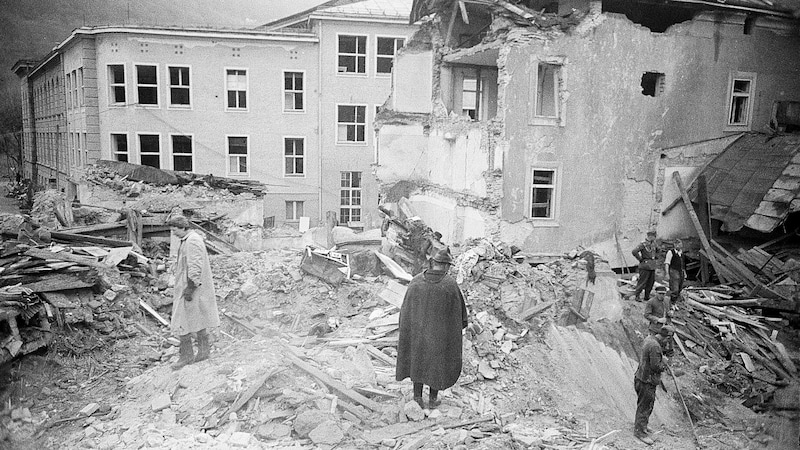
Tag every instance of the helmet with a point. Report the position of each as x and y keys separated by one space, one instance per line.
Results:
x=443 y=256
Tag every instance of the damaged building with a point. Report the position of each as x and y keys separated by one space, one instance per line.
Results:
x=559 y=124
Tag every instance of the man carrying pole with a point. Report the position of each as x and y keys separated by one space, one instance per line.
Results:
x=647 y=378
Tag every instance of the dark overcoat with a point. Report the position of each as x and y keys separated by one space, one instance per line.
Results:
x=431 y=319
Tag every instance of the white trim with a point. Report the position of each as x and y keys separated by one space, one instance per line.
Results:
x=551 y=221
x=372 y=19
x=225 y=89
x=228 y=155
x=336 y=124
x=734 y=76
x=110 y=84
x=138 y=159
x=394 y=57
x=168 y=84
x=111 y=144
x=135 y=80
x=283 y=92
x=171 y=155
x=283 y=156
x=366 y=72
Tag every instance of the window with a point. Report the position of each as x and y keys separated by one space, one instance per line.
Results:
x=119 y=147
x=740 y=99
x=236 y=85
x=147 y=85
x=470 y=93
x=80 y=92
x=179 y=86
x=543 y=194
x=116 y=82
x=294 y=210
x=350 y=210
x=386 y=52
x=652 y=84
x=68 y=88
x=352 y=52
x=546 y=99
x=294 y=157
x=150 y=150
x=237 y=155
x=293 y=91
x=182 y=153
x=352 y=123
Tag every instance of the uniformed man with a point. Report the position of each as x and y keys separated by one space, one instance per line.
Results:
x=646 y=253
x=431 y=319
x=647 y=378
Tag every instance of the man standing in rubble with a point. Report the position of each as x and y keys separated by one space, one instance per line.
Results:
x=194 y=304
x=675 y=267
x=431 y=319
x=658 y=312
x=647 y=378
x=646 y=253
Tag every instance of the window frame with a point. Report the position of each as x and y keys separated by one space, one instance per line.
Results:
x=248 y=160
x=393 y=57
x=285 y=156
x=113 y=145
x=172 y=150
x=139 y=135
x=338 y=141
x=188 y=87
x=284 y=91
x=157 y=86
x=296 y=216
x=552 y=220
x=360 y=189
x=112 y=85
x=558 y=90
x=246 y=89
x=733 y=77
x=366 y=57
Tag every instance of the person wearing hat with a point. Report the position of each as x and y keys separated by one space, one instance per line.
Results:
x=646 y=253
x=675 y=267
x=647 y=378
x=431 y=319
x=658 y=312
x=194 y=303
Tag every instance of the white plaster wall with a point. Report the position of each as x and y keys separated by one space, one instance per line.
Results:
x=443 y=214
x=411 y=76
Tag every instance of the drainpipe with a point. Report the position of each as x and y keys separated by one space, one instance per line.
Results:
x=34 y=151
x=319 y=122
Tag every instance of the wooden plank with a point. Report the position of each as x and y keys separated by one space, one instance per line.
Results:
x=748 y=363
x=153 y=312
x=393 y=293
x=248 y=394
x=89 y=229
x=373 y=391
x=337 y=386
x=393 y=319
x=397 y=271
x=379 y=355
x=218 y=241
x=695 y=221
x=704 y=217
x=60 y=282
x=536 y=310
x=61 y=256
x=73 y=237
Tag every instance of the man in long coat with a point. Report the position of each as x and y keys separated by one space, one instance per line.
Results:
x=194 y=304
x=431 y=319
x=647 y=378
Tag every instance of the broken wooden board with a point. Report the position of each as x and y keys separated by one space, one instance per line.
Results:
x=379 y=355
x=536 y=310
x=248 y=394
x=393 y=319
x=61 y=256
x=335 y=385
x=394 y=293
x=372 y=391
x=321 y=267
x=153 y=312
x=397 y=271
x=60 y=282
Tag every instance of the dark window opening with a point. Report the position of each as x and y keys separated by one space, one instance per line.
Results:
x=749 y=24
x=652 y=84
x=657 y=17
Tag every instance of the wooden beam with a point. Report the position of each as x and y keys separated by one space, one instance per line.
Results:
x=704 y=215
x=61 y=256
x=74 y=237
x=530 y=312
x=153 y=312
x=696 y=222
x=450 y=25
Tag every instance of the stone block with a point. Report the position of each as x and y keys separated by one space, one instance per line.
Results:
x=240 y=439
x=413 y=411
x=328 y=432
x=160 y=401
x=308 y=420
x=89 y=409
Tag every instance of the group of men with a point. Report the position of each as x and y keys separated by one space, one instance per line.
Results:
x=647 y=253
x=432 y=317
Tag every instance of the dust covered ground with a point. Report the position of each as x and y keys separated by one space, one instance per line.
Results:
x=525 y=384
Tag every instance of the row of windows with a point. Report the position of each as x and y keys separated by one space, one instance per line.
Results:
x=351 y=54
x=182 y=151
x=75 y=89
x=349 y=195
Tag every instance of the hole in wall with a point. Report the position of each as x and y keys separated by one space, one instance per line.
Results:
x=652 y=84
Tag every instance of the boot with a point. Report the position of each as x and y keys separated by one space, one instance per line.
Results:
x=186 y=352
x=203 y=346
x=420 y=402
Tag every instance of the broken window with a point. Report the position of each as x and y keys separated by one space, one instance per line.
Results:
x=474 y=92
x=352 y=54
x=182 y=153
x=146 y=85
x=385 y=53
x=294 y=157
x=294 y=210
x=119 y=146
x=652 y=84
x=350 y=210
x=236 y=86
x=150 y=150
x=116 y=82
x=543 y=193
x=740 y=99
x=351 y=123
x=179 y=89
x=237 y=155
x=293 y=91
x=546 y=98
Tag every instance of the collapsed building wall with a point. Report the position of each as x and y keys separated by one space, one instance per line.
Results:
x=620 y=94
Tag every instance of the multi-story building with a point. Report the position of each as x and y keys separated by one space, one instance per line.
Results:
x=289 y=104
